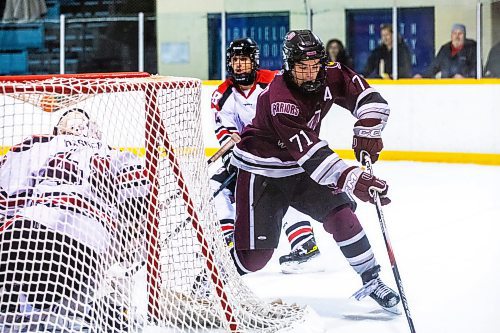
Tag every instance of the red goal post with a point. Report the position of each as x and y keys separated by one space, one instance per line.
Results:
x=157 y=118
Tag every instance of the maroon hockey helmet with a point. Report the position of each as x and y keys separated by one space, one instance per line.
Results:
x=300 y=45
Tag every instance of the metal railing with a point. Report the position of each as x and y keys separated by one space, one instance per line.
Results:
x=63 y=22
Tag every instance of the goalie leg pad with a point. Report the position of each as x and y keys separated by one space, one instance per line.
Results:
x=40 y=264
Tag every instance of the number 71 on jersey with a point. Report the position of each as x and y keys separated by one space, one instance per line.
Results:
x=297 y=138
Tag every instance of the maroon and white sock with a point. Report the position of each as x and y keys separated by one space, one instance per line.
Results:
x=351 y=238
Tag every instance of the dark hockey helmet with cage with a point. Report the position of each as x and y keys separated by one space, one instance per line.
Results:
x=300 y=45
x=243 y=47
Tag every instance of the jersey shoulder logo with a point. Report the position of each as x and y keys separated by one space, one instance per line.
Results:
x=220 y=95
x=286 y=108
x=216 y=96
x=334 y=64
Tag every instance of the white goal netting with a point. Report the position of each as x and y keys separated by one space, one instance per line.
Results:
x=106 y=223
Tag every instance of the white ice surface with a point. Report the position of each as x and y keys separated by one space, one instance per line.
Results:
x=444 y=225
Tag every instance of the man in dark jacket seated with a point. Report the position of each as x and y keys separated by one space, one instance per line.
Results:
x=455 y=59
x=492 y=68
x=379 y=63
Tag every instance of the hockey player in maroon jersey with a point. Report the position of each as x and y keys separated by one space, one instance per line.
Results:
x=283 y=162
x=234 y=104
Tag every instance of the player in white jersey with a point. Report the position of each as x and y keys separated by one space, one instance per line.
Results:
x=234 y=104
x=67 y=201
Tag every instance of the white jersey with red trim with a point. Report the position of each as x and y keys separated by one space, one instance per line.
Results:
x=64 y=183
x=234 y=108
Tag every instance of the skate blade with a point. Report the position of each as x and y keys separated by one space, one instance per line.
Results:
x=394 y=310
x=313 y=265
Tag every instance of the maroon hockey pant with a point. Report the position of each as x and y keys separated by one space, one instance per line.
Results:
x=261 y=203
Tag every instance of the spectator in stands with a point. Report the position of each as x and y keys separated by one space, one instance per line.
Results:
x=23 y=11
x=337 y=53
x=492 y=68
x=455 y=59
x=379 y=64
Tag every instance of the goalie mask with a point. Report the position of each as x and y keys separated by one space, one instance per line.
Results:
x=77 y=122
x=245 y=47
x=299 y=46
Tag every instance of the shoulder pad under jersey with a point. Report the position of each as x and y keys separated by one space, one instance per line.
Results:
x=220 y=95
x=265 y=76
x=29 y=142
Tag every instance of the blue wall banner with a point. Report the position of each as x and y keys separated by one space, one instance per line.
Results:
x=267 y=29
x=415 y=25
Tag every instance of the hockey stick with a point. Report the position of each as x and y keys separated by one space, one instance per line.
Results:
x=235 y=138
x=388 y=246
x=224 y=184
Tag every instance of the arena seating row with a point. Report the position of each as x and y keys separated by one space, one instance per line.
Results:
x=33 y=48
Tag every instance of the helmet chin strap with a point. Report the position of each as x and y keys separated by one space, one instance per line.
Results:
x=311 y=86
x=245 y=79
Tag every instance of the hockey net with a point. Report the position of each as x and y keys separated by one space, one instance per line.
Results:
x=161 y=264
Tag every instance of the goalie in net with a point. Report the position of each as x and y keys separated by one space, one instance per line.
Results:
x=65 y=198
x=95 y=239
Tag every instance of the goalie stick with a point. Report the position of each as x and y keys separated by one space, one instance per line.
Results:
x=388 y=246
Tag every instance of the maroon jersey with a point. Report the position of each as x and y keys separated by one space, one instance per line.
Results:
x=283 y=138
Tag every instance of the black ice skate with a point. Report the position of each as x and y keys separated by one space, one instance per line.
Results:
x=305 y=259
x=373 y=286
x=202 y=287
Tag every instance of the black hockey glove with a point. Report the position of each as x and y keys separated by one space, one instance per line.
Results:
x=226 y=160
